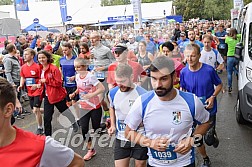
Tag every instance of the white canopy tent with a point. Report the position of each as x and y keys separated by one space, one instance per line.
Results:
x=83 y=12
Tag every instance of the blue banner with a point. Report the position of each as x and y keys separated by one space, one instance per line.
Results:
x=63 y=10
x=121 y=18
x=22 y=5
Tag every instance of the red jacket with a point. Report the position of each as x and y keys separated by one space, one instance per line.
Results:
x=53 y=85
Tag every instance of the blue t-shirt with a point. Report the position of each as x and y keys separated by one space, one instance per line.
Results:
x=181 y=44
x=221 y=34
x=201 y=83
x=200 y=44
x=150 y=47
x=68 y=71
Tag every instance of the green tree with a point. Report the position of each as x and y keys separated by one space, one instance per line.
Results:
x=247 y=1
x=6 y=2
x=189 y=8
x=124 y=2
x=204 y=9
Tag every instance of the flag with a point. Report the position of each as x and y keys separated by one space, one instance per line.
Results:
x=63 y=10
x=22 y=5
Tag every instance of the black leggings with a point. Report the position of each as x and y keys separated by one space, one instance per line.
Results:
x=95 y=116
x=48 y=114
x=191 y=165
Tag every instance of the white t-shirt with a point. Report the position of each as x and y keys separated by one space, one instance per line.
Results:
x=211 y=58
x=172 y=119
x=87 y=85
x=122 y=102
x=55 y=154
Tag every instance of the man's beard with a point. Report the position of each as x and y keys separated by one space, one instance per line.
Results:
x=161 y=92
x=125 y=88
x=192 y=39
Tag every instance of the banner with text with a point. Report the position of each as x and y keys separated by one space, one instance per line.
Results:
x=137 y=14
x=238 y=4
x=63 y=10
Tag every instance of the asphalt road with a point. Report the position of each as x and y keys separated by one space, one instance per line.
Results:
x=235 y=140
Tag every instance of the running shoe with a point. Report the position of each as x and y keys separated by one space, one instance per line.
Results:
x=75 y=127
x=216 y=141
x=206 y=162
x=89 y=155
x=19 y=116
x=229 y=89
x=40 y=131
x=25 y=112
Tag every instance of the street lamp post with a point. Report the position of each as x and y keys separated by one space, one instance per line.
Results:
x=164 y=18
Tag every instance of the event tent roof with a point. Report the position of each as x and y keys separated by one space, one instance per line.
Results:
x=48 y=12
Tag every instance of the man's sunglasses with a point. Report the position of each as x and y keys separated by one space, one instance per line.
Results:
x=118 y=52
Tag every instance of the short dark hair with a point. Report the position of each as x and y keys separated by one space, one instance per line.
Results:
x=169 y=45
x=10 y=47
x=161 y=62
x=67 y=44
x=7 y=93
x=48 y=55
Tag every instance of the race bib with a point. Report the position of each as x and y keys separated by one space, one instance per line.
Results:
x=100 y=75
x=30 y=81
x=168 y=156
x=81 y=95
x=69 y=82
x=121 y=125
x=222 y=46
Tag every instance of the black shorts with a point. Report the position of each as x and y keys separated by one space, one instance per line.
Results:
x=70 y=90
x=223 y=52
x=125 y=149
x=35 y=101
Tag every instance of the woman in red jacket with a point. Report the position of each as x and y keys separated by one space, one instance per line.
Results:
x=54 y=94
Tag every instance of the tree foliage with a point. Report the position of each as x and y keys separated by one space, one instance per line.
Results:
x=6 y=2
x=204 y=9
x=125 y=2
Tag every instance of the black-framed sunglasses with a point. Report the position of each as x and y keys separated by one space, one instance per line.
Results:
x=118 y=52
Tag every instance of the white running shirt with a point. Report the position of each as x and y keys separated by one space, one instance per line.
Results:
x=171 y=119
x=122 y=102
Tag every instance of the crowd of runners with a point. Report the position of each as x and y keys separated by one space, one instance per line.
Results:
x=155 y=89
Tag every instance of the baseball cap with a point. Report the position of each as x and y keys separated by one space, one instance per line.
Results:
x=182 y=34
x=48 y=47
x=120 y=48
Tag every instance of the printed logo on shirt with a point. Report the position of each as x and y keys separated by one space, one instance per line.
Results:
x=33 y=73
x=176 y=117
x=131 y=102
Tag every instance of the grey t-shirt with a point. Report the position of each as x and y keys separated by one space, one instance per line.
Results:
x=103 y=56
x=55 y=154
